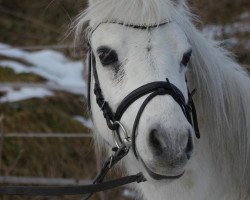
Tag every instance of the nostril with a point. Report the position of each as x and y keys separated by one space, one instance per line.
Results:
x=154 y=142
x=189 y=147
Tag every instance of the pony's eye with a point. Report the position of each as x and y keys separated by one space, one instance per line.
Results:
x=186 y=57
x=107 y=56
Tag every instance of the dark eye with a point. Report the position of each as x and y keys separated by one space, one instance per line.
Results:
x=186 y=58
x=107 y=55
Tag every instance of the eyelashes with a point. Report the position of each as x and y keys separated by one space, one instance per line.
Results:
x=186 y=58
x=107 y=55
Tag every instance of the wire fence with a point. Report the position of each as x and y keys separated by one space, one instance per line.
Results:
x=44 y=180
x=49 y=181
x=47 y=135
x=40 y=47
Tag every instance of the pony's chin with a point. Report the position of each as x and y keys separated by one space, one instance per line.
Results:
x=158 y=176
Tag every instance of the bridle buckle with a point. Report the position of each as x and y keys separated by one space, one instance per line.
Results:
x=121 y=142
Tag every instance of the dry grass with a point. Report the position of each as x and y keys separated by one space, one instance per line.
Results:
x=36 y=22
x=8 y=75
x=219 y=12
x=52 y=114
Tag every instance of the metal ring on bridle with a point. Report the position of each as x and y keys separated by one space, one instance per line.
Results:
x=117 y=138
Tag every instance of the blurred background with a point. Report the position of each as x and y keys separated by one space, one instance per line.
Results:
x=45 y=131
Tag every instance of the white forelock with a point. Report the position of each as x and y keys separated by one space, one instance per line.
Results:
x=138 y=12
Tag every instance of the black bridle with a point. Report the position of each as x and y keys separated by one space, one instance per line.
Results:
x=113 y=122
x=152 y=89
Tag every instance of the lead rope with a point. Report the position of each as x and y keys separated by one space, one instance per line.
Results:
x=97 y=186
x=110 y=162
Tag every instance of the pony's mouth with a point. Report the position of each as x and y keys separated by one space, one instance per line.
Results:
x=157 y=176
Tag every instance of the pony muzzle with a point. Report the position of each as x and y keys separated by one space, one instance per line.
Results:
x=166 y=154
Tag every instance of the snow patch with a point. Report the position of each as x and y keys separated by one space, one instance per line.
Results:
x=85 y=122
x=231 y=31
x=14 y=95
x=241 y=26
x=16 y=66
x=60 y=71
x=214 y=31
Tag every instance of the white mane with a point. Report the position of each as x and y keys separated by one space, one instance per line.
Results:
x=223 y=87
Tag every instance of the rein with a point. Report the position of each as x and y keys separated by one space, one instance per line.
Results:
x=113 y=122
x=97 y=186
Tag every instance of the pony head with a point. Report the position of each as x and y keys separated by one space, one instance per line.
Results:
x=127 y=58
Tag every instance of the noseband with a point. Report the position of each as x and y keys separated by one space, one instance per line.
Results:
x=113 y=122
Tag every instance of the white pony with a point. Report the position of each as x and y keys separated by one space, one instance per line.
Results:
x=219 y=167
